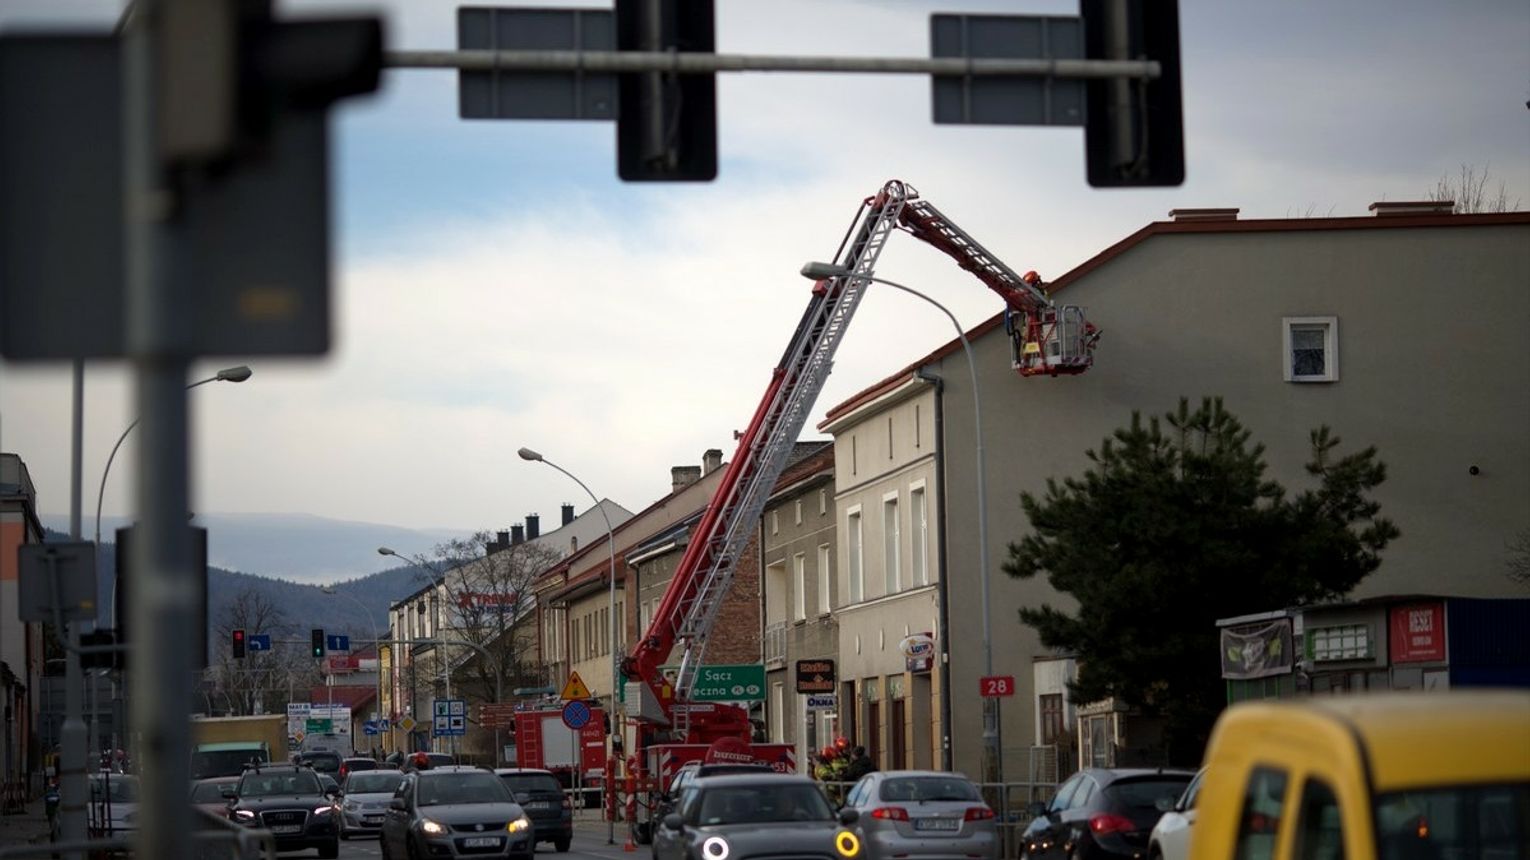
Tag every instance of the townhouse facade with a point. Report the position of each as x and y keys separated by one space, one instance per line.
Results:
x=575 y=597
x=1426 y=310
x=801 y=637
x=21 y=643
x=452 y=602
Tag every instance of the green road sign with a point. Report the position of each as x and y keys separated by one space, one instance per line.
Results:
x=744 y=683
x=320 y=726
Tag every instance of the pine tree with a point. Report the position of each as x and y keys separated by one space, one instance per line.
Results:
x=1173 y=526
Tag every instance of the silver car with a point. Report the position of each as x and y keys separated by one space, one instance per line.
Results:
x=922 y=814
x=364 y=800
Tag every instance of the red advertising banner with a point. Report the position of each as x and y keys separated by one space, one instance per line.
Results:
x=1418 y=633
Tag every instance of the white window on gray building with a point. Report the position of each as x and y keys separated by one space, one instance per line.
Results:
x=799 y=587
x=919 y=535
x=1310 y=349
x=890 y=559
x=857 y=572
x=824 y=604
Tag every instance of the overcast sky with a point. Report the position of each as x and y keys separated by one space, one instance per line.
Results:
x=497 y=286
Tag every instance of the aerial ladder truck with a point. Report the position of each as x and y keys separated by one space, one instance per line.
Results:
x=1048 y=339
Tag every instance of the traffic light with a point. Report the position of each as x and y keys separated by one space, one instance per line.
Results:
x=229 y=70
x=238 y=644
x=666 y=124
x=317 y=640
x=1134 y=129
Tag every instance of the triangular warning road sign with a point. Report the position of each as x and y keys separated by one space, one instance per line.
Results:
x=574 y=688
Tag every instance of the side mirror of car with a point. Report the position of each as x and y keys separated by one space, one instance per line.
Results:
x=848 y=816
x=1164 y=804
x=228 y=792
x=397 y=803
x=673 y=821
x=1037 y=809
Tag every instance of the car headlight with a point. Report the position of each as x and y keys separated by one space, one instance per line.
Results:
x=432 y=827
x=323 y=810
x=244 y=815
x=715 y=848
x=519 y=825
x=352 y=805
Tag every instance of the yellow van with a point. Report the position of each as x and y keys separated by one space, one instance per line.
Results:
x=1392 y=776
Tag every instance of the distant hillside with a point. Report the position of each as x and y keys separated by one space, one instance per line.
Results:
x=305 y=605
x=298 y=547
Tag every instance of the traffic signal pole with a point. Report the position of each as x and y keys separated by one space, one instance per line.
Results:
x=161 y=562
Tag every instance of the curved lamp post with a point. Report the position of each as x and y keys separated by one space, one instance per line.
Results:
x=616 y=650
x=228 y=374
x=376 y=637
x=994 y=764
x=440 y=634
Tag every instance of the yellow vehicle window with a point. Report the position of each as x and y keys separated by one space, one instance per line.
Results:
x=1319 y=830
x=1488 y=822
x=1263 y=806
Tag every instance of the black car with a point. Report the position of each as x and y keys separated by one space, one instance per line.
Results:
x=541 y=795
x=743 y=816
x=454 y=811
x=289 y=801
x=323 y=762
x=1103 y=813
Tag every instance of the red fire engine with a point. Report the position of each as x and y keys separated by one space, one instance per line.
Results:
x=1048 y=339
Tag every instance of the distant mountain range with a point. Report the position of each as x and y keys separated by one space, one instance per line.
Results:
x=272 y=547
x=297 y=547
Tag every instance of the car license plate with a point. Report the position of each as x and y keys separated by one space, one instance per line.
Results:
x=287 y=828
x=539 y=804
x=937 y=824
x=481 y=842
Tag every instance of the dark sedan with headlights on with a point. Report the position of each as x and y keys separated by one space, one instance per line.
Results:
x=455 y=811
x=289 y=801
x=755 y=815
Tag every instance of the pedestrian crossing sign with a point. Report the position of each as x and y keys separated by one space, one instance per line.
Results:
x=574 y=689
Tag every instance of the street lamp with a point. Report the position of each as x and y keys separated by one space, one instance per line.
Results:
x=993 y=766
x=532 y=456
x=376 y=638
x=227 y=374
x=435 y=602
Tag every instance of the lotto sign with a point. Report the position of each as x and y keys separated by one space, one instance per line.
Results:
x=994 y=686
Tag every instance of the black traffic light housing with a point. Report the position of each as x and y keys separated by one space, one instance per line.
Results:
x=317 y=643
x=666 y=124
x=230 y=70
x=1134 y=129
x=237 y=644
x=126 y=589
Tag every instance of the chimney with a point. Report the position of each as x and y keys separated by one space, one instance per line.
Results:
x=711 y=461
x=501 y=541
x=681 y=477
x=1203 y=214
x=568 y=514
x=533 y=526
x=517 y=535
x=1385 y=208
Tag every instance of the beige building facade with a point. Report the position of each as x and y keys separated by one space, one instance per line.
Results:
x=1404 y=329
x=887 y=500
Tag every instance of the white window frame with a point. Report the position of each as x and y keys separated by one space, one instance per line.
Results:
x=797 y=511
x=856 y=552
x=775 y=522
x=824 y=592
x=892 y=555
x=1329 y=326
x=799 y=587
x=823 y=502
x=919 y=534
